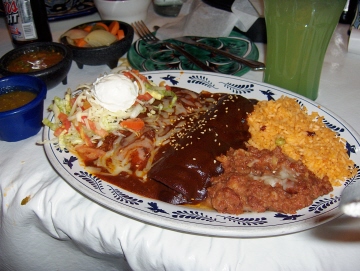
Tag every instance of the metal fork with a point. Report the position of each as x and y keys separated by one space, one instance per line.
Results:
x=146 y=35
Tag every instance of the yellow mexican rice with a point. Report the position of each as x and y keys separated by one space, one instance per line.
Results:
x=301 y=136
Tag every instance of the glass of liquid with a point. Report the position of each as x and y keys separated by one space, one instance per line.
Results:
x=298 y=34
x=168 y=8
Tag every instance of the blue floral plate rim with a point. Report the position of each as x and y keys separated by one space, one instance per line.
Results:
x=193 y=220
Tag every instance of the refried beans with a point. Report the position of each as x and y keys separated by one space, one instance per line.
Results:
x=263 y=180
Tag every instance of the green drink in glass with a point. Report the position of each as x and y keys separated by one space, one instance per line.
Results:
x=298 y=34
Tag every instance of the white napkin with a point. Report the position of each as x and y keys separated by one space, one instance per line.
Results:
x=245 y=13
x=199 y=19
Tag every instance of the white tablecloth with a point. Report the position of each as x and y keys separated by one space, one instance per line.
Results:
x=59 y=229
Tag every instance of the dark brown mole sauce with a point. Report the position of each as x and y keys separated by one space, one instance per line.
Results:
x=149 y=188
x=190 y=163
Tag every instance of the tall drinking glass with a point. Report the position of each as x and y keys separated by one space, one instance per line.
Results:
x=298 y=34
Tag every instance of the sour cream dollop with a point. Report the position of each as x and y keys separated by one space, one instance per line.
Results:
x=115 y=92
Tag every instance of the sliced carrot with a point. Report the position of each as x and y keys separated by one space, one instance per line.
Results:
x=135 y=124
x=114 y=27
x=103 y=25
x=88 y=28
x=120 y=34
x=80 y=42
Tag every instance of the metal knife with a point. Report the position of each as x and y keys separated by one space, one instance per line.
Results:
x=191 y=58
x=253 y=64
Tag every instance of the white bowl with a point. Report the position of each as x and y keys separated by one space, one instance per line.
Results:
x=127 y=11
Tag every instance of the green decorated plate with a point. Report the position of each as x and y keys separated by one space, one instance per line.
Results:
x=145 y=57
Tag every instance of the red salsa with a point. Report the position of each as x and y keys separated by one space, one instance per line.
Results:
x=34 y=61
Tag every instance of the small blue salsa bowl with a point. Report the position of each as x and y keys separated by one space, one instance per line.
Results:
x=25 y=121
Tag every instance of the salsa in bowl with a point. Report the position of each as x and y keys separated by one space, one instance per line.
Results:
x=49 y=61
x=22 y=105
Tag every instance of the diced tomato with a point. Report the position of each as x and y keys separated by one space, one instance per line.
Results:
x=65 y=124
x=135 y=124
x=59 y=130
x=64 y=121
x=62 y=117
x=101 y=132
x=128 y=75
x=144 y=97
x=83 y=135
x=167 y=87
x=137 y=73
x=142 y=77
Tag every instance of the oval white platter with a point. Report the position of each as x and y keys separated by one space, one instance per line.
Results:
x=208 y=222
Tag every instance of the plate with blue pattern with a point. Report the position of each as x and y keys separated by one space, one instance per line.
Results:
x=147 y=57
x=203 y=221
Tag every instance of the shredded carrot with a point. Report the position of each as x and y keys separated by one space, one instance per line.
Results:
x=120 y=34
x=114 y=27
x=103 y=25
x=135 y=124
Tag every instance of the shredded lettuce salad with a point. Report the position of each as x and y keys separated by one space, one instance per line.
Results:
x=78 y=119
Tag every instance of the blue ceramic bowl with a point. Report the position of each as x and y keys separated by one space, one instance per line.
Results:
x=24 y=121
